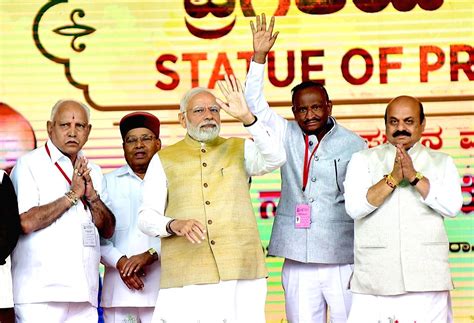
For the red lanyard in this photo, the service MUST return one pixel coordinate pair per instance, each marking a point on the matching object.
(307, 161)
(63, 172)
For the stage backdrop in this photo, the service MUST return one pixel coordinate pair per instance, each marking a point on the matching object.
(124, 55)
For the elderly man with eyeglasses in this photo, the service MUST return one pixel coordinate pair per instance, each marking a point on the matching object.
(312, 230)
(131, 258)
(213, 265)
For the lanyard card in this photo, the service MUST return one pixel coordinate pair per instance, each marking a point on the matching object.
(88, 235)
(302, 216)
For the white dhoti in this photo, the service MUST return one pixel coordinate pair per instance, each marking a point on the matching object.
(56, 312)
(128, 314)
(420, 307)
(234, 301)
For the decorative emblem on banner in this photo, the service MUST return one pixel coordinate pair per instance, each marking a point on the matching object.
(76, 30)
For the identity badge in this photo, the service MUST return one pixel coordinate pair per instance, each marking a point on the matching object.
(88, 235)
(302, 216)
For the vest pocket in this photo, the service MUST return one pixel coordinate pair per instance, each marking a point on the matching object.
(336, 173)
(371, 244)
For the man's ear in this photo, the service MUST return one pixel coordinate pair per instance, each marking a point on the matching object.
(49, 127)
(423, 124)
(158, 144)
(89, 128)
(182, 119)
(330, 107)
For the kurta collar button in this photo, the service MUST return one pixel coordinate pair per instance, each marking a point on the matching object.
(204, 164)
(203, 150)
(207, 202)
(311, 200)
(205, 185)
(213, 242)
(316, 158)
(313, 179)
(209, 221)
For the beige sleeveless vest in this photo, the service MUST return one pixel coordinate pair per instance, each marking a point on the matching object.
(208, 182)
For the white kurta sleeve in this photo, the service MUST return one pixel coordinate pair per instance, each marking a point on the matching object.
(109, 254)
(258, 104)
(356, 185)
(151, 218)
(445, 194)
(27, 190)
(265, 153)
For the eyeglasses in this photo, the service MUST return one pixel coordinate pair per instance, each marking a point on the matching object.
(314, 108)
(146, 139)
(200, 111)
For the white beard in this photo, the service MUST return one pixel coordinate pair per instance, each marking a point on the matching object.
(203, 134)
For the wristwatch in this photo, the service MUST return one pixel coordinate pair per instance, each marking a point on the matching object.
(152, 252)
(418, 176)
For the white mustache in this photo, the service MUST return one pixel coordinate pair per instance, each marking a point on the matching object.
(206, 123)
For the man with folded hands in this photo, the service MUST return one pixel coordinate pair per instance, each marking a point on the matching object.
(55, 265)
(399, 194)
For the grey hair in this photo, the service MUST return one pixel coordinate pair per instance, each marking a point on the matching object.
(58, 104)
(189, 95)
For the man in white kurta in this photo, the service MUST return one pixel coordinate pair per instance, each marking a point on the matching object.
(132, 266)
(55, 265)
(399, 194)
(213, 269)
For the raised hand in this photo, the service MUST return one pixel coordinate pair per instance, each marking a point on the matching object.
(263, 38)
(236, 105)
